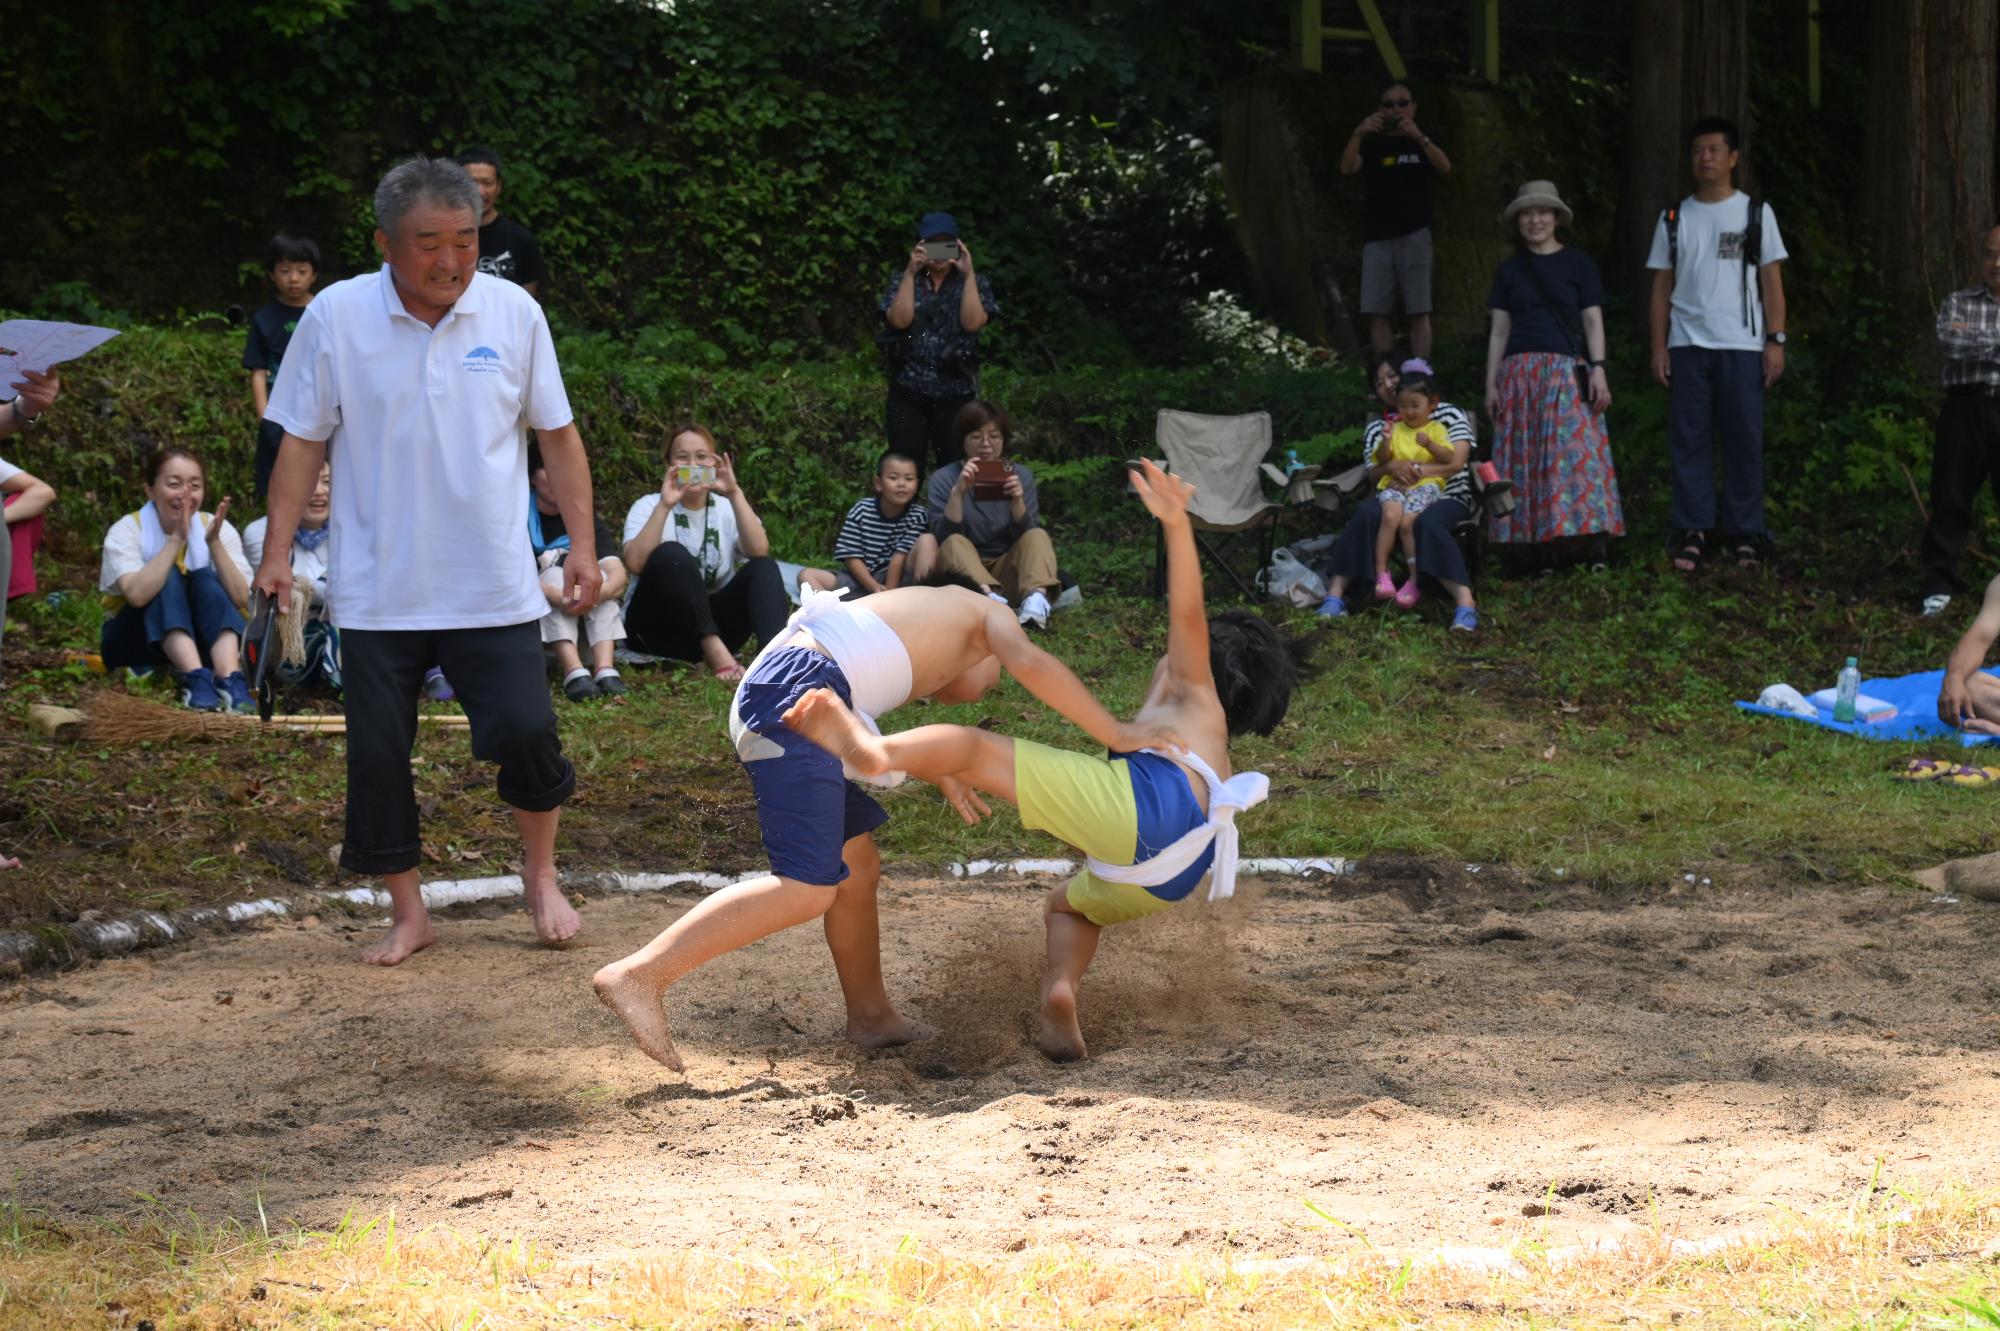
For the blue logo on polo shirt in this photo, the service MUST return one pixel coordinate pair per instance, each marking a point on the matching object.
(482, 360)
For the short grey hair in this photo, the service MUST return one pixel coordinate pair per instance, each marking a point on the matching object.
(438, 181)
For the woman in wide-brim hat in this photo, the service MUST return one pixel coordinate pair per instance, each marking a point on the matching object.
(1546, 389)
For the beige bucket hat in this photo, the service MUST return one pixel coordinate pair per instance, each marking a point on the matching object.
(1539, 194)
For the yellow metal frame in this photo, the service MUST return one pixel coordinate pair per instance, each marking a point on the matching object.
(1314, 34)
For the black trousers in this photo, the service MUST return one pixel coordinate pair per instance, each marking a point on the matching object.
(1967, 456)
(1438, 554)
(921, 426)
(672, 609)
(502, 682)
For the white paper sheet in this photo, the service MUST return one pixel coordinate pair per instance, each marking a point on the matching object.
(36, 344)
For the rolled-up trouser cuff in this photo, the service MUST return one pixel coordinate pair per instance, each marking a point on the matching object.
(531, 801)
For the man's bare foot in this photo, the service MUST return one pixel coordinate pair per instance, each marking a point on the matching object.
(1060, 1037)
(404, 940)
(828, 722)
(888, 1034)
(638, 1006)
(9, 862)
(556, 921)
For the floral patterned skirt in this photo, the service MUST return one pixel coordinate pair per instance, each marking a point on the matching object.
(1552, 446)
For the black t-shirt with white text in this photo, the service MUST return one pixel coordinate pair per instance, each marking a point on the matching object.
(508, 249)
(1398, 175)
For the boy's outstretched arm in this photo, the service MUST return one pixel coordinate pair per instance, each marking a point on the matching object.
(1166, 498)
(1057, 685)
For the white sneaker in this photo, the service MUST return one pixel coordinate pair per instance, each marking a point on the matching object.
(996, 596)
(1035, 611)
(1934, 605)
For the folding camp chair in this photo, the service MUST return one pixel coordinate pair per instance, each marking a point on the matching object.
(1221, 456)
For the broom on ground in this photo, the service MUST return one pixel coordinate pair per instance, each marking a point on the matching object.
(116, 719)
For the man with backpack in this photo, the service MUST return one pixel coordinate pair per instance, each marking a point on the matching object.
(1718, 329)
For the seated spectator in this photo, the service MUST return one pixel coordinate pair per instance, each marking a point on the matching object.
(603, 622)
(27, 499)
(998, 542)
(876, 539)
(1438, 555)
(292, 264)
(309, 568)
(176, 580)
(703, 580)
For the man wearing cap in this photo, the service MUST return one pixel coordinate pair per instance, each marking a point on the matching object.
(933, 311)
(419, 383)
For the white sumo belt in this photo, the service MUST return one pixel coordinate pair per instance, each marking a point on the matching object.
(1225, 798)
(815, 605)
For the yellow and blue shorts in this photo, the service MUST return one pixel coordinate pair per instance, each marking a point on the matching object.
(1123, 809)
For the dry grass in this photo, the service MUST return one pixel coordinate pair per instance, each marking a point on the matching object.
(1884, 1261)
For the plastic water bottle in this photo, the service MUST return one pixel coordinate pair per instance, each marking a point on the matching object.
(1292, 463)
(1845, 690)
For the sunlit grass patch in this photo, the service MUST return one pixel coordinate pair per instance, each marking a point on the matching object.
(1885, 1259)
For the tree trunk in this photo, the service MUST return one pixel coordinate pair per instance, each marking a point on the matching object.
(1653, 130)
(1928, 156)
(1716, 73)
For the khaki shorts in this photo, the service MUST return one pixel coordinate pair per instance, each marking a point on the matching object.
(1402, 265)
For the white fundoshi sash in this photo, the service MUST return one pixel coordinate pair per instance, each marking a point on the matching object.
(1225, 799)
(872, 671)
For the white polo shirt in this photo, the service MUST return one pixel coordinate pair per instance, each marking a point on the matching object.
(426, 434)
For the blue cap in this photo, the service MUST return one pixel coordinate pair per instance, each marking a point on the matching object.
(937, 224)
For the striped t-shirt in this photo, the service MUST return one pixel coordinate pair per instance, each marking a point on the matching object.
(873, 539)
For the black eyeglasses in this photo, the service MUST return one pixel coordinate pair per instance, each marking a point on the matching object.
(1395, 105)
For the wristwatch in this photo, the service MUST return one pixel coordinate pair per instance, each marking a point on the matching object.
(1775, 339)
(25, 420)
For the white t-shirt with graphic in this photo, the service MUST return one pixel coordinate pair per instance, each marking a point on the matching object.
(1710, 291)
(709, 534)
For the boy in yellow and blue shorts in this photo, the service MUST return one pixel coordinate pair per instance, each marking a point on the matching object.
(1150, 832)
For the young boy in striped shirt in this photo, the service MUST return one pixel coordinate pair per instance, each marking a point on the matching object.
(875, 540)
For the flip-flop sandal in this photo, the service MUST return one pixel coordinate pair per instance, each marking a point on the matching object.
(1693, 550)
(1746, 556)
(1923, 769)
(731, 675)
(1972, 776)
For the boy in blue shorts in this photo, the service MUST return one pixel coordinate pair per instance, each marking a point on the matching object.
(1151, 824)
(948, 643)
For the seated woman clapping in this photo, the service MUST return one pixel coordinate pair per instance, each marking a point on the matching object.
(175, 580)
(705, 579)
(310, 558)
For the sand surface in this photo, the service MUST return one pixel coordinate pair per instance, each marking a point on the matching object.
(1428, 1055)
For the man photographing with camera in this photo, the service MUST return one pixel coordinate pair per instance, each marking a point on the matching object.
(933, 311)
(1396, 161)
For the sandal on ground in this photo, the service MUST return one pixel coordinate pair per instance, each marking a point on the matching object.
(731, 673)
(1746, 555)
(1971, 776)
(1693, 549)
(1408, 594)
(1385, 587)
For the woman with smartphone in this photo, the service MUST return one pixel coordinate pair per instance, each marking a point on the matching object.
(986, 521)
(932, 312)
(703, 580)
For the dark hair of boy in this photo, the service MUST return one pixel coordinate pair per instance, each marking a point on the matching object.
(1715, 125)
(944, 577)
(288, 248)
(1255, 668)
(893, 455)
(479, 154)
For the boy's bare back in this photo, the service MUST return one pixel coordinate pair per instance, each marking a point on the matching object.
(945, 630)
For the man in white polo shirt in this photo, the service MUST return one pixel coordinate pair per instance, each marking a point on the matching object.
(418, 383)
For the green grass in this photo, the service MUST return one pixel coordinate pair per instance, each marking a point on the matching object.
(1585, 732)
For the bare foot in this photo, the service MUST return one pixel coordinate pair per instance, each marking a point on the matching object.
(719, 660)
(404, 940)
(9, 862)
(896, 1030)
(638, 1006)
(556, 921)
(828, 722)
(1060, 1037)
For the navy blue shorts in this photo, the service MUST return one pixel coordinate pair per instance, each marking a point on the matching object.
(807, 809)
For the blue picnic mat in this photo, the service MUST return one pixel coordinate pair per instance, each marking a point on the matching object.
(1913, 696)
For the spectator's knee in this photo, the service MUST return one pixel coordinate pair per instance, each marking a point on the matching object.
(669, 557)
